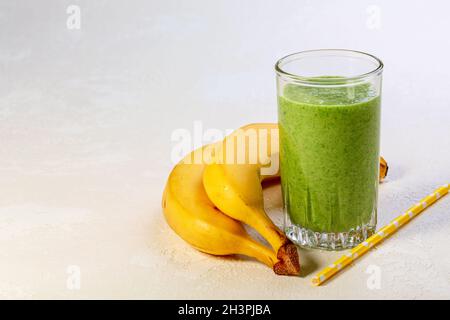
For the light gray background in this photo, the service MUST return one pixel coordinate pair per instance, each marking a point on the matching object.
(86, 118)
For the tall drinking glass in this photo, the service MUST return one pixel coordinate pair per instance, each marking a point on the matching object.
(329, 121)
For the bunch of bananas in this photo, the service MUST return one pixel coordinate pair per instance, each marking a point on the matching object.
(216, 188)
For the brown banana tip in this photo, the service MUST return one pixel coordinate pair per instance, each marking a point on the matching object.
(288, 264)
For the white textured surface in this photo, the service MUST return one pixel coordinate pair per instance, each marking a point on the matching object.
(85, 127)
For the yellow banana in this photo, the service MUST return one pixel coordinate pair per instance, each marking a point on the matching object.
(194, 217)
(383, 168)
(233, 184)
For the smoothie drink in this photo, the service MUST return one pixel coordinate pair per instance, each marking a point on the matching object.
(329, 158)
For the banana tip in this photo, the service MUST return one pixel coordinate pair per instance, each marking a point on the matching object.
(288, 263)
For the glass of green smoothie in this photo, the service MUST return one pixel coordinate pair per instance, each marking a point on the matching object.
(329, 122)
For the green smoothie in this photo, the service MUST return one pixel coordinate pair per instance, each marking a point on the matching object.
(329, 155)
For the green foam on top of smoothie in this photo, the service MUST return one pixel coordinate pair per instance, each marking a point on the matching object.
(332, 95)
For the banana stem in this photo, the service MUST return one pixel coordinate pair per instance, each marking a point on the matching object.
(287, 255)
(259, 252)
(268, 230)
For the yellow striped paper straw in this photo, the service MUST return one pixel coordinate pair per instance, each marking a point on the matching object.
(379, 236)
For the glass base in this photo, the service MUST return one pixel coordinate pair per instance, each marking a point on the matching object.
(328, 241)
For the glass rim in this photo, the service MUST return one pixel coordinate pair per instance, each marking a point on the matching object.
(328, 80)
